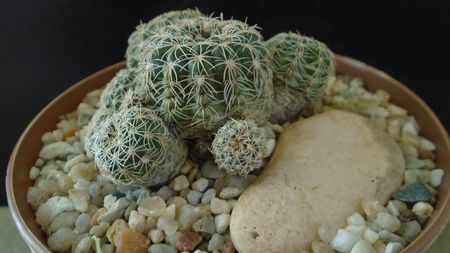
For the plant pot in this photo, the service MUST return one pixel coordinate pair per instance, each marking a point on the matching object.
(27, 148)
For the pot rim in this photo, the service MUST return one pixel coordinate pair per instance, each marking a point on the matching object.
(436, 226)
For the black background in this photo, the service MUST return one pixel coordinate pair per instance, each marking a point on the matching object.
(46, 46)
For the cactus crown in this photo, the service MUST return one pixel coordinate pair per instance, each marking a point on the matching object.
(134, 147)
(197, 72)
(239, 147)
(145, 30)
(301, 68)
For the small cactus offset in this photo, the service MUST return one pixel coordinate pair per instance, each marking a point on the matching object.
(93, 129)
(120, 91)
(145, 30)
(198, 72)
(240, 147)
(301, 68)
(134, 147)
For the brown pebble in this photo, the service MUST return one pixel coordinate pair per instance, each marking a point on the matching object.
(188, 241)
(426, 154)
(228, 247)
(219, 184)
(94, 219)
(184, 193)
(192, 174)
(131, 241)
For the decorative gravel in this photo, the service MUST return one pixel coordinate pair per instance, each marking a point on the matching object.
(82, 211)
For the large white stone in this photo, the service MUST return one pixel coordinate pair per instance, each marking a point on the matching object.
(321, 170)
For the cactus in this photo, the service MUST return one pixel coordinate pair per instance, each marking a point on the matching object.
(120, 91)
(145, 30)
(240, 147)
(198, 72)
(134, 147)
(301, 68)
(92, 130)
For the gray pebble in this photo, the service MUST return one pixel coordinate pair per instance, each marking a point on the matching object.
(208, 196)
(210, 170)
(162, 248)
(194, 197)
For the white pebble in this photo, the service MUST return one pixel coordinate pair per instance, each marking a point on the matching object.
(114, 211)
(408, 127)
(219, 206)
(356, 219)
(152, 206)
(65, 219)
(270, 146)
(156, 235)
(61, 241)
(83, 171)
(80, 199)
(372, 207)
(222, 222)
(136, 221)
(423, 210)
(208, 196)
(107, 248)
(410, 230)
(357, 229)
(344, 240)
(84, 245)
(54, 150)
(194, 197)
(393, 247)
(229, 193)
(99, 230)
(388, 222)
(216, 242)
(170, 211)
(181, 182)
(82, 223)
(387, 236)
(187, 216)
(427, 145)
(321, 247)
(371, 236)
(362, 247)
(74, 161)
(436, 177)
(200, 185)
(34, 173)
(94, 190)
(172, 239)
(50, 209)
(168, 225)
(326, 234)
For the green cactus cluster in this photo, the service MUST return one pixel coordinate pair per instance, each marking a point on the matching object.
(199, 72)
(135, 147)
(191, 78)
(301, 69)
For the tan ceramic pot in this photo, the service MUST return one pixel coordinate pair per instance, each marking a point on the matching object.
(27, 148)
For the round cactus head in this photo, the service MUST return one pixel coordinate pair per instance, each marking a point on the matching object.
(301, 68)
(239, 147)
(134, 147)
(198, 72)
(120, 91)
(92, 131)
(145, 30)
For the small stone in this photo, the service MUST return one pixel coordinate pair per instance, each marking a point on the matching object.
(181, 182)
(229, 193)
(80, 199)
(162, 248)
(130, 241)
(222, 222)
(115, 211)
(83, 171)
(219, 183)
(165, 192)
(51, 208)
(228, 247)
(371, 208)
(356, 219)
(168, 225)
(412, 193)
(34, 173)
(371, 236)
(396, 207)
(219, 206)
(137, 221)
(379, 246)
(413, 163)
(84, 245)
(326, 234)
(117, 225)
(344, 241)
(210, 170)
(410, 230)
(422, 210)
(156, 235)
(74, 161)
(362, 247)
(187, 216)
(192, 175)
(57, 149)
(170, 211)
(99, 230)
(172, 239)
(150, 223)
(188, 241)
(194, 197)
(208, 196)
(387, 236)
(357, 229)
(388, 222)
(204, 225)
(216, 242)
(427, 145)
(131, 207)
(186, 167)
(436, 177)
(63, 220)
(107, 248)
(96, 215)
(393, 247)
(152, 206)
(200, 184)
(82, 223)
(61, 241)
(321, 247)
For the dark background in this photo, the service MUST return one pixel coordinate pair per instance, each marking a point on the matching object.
(46, 46)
